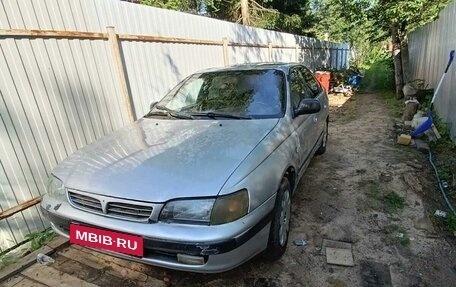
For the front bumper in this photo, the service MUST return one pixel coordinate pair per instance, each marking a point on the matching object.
(223, 247)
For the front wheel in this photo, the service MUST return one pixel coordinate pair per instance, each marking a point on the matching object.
(324, 141)
(280, 225)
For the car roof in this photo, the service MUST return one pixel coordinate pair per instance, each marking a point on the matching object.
(253, 66)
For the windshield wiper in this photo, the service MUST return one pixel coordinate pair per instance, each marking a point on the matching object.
(173, 113)
(221, 115)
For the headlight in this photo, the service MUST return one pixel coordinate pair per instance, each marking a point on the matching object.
(230, 207)
(188, 211)
(55, 188)
(209, 211)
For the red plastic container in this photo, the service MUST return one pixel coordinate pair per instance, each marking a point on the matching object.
(323, 78)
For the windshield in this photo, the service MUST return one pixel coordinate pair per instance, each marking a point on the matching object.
(244, 93)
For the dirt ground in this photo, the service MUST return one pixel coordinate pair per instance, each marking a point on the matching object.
(343, 196)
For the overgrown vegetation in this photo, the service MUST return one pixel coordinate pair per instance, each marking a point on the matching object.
(39, 239)
(450, 223)
(36, 240)
(293, 16)
(394, 202)
(379, 71)
(378, 199)
(6, 260)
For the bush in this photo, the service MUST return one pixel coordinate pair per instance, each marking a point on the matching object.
(379, 76)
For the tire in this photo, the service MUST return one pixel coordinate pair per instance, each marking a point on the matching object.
(280, 225)
(322, 148)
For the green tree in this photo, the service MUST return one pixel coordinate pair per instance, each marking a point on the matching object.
(292, 16)
(394, 19)
(345, 21)
(190, 6)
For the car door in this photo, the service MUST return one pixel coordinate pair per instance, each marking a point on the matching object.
(303, 125)
(317, 92)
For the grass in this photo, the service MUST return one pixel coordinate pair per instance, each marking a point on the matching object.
(450, 223)
(395, 234)
(39, 239)
(394, 106)
(6, 260)
(379, 75)
(394, 202)
(374, 193)
(378, 200)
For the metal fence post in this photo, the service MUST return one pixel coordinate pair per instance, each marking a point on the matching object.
(270, 51)
(225, 52)
(297, 50)
(121, 71)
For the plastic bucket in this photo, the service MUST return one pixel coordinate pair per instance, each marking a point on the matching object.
(323, 78)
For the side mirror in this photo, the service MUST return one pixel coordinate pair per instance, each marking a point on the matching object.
(307, 106)
(153, 104)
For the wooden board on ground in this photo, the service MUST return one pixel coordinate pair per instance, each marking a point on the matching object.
(23, 263)
(49, 276)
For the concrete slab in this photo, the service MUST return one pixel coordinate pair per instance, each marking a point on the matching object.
(334, 244)
(337, 256)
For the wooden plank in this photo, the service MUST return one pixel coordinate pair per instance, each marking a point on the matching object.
(162, 39)
(18, 208)
(58, 242)
(114, 266)
(22, 33)
(82, 266)
(12, 281)
(23, 263)
(81, 257)
(248, 45)
(49, 276)
(136, 266)
(25, 282)
(121, 72)
(140, 267)
(79, 270)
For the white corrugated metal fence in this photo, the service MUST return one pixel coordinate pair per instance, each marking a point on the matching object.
(429, 49)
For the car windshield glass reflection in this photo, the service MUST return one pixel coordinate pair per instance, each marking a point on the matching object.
(242, 94)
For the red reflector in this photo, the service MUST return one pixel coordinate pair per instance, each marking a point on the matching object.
(107, 240)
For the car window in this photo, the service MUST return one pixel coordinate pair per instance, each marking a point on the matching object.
(311, 82)
(252, 93)
(186, 95)
(299, 87)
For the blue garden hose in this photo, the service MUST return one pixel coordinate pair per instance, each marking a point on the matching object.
(442, 190)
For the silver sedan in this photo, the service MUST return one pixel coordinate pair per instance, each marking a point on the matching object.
(204, 181)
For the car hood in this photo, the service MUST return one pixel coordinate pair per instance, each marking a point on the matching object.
(158, 160)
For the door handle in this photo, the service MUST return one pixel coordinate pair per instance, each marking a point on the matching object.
(315, 119)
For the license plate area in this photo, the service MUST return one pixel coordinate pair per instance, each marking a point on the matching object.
(107, 240)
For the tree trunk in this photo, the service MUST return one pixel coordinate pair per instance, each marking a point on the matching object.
(405, 63)
(245, 12)
(398, 77)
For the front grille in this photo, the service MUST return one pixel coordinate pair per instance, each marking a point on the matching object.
(132, 211)
(84, 201)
